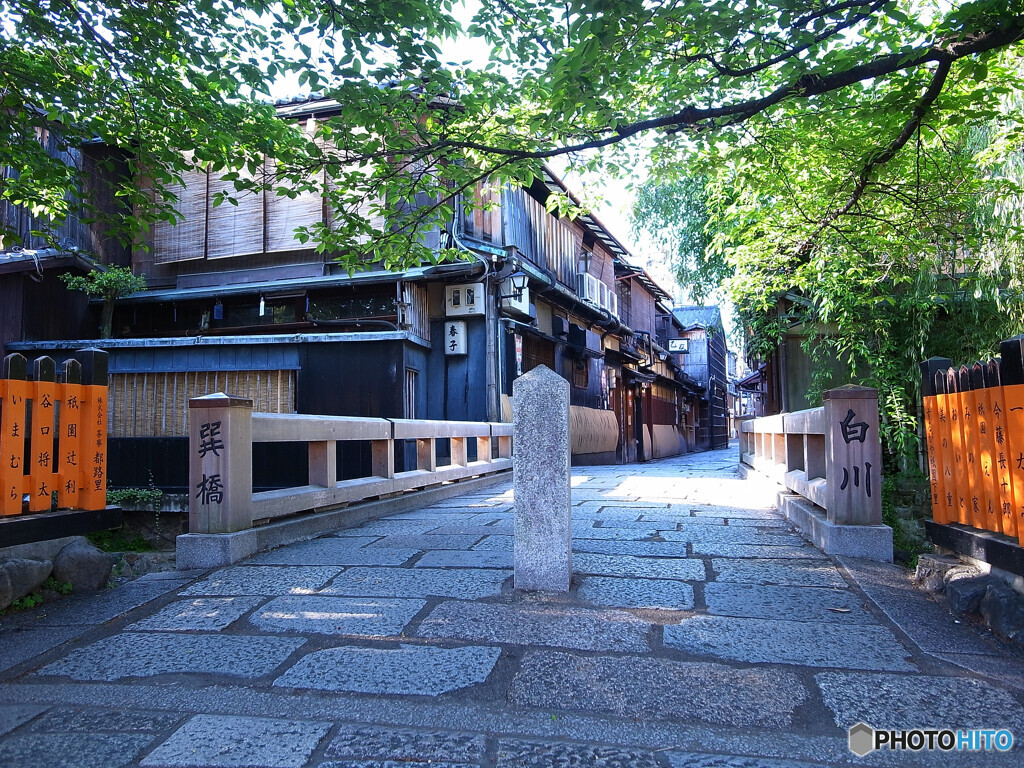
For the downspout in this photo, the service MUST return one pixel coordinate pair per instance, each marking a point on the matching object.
(491, 350)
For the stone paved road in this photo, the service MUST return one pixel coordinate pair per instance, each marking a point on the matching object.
(700, 631)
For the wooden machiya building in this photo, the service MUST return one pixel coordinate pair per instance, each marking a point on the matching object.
(236, 304)
(706, 363)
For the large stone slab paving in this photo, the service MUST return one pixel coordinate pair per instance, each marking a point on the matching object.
(931, 627)
(370, 742)
(1006, 670)
(696, 760)
(514, 753)
(92, 609)
(730, 513)
(639, 567)
(501, 520)
(72, 750)
(219, 741)
(201, 614)
(20, 646)
(136, 654)
(663, 594)
(68, 720)
(350, 763)
(634, 548)
(264, 580)
(726, 549)
(418, 582)
(630, 510)
(12, 716)
(499, 543)
(800, 573)
(587, 530)
(918, 701)
(756, 601)
(761, 641)
(363, 616)
(768, 524)
(648, 527)
(334, 550)
(476, 531)
(650, 688)
(369, 532)
(426, 541)
(477, 558)
(561, 626)
(701, 534)
(411, 670)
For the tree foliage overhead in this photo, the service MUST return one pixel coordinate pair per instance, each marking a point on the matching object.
(884, 218)
(177, 84)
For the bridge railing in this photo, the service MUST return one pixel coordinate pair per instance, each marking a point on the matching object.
(829, 455)
(223, 429)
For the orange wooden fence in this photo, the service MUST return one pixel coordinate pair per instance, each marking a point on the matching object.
(53, 434)
(974, 428)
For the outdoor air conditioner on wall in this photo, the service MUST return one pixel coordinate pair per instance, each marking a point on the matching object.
(465, 299)
(588, 288)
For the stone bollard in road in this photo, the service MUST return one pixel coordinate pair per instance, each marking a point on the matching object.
(540, 471)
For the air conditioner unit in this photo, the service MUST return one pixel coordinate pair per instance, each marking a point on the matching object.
(588, 288)
(466, 299)
(558, 327)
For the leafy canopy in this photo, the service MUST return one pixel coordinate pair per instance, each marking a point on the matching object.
(184, 83)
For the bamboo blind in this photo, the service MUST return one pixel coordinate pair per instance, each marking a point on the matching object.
(186, 239)
(233, 229)
(156, 404)
(284, 213)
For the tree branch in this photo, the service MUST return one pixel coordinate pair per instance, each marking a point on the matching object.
(943, 52)
(885, 155)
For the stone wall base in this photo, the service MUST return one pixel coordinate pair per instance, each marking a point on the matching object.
(872, 542)
(213, 550)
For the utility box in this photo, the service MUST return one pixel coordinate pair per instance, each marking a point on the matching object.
(465, 299)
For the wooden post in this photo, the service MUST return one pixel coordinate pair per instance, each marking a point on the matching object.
(950, 479)
(1012, 375)
(985, 436)
(93, 493)
(41, 459)
(69, 421)
(972, 449)
(853, 456)
(959, 466)
(220, 464)
(14, 397)
(934, 438)
(1001, 452)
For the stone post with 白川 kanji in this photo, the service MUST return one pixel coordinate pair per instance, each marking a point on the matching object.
(853, 456)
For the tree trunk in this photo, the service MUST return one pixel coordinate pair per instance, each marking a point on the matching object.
(107, 319)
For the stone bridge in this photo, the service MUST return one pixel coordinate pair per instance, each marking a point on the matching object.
(699, 630)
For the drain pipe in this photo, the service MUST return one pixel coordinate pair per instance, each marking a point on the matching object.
(491, 350)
